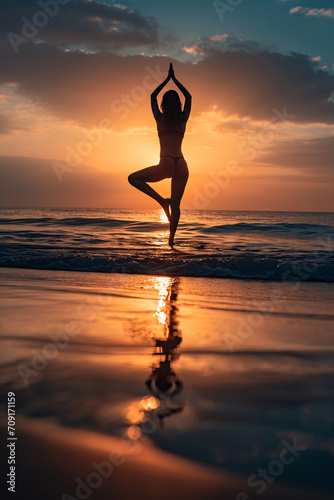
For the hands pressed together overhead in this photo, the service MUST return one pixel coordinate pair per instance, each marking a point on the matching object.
(171, 74)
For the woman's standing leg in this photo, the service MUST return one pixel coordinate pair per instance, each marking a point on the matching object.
(179, 182)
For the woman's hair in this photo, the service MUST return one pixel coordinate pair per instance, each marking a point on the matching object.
(171, 108)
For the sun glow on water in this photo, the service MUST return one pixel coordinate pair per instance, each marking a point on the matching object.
(135, 415)
(163, 217)
(162, 285)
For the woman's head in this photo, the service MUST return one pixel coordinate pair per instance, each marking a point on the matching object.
(171, 107)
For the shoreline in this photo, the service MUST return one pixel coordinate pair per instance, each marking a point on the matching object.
(246, 279)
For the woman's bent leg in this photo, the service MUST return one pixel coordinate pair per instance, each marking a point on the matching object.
(153, 174)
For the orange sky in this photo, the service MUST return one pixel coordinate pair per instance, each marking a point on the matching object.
(74, 123)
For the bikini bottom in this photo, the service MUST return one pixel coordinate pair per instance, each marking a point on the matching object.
(175, 158)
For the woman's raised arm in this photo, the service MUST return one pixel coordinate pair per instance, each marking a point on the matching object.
(154, 103)
(187, 95)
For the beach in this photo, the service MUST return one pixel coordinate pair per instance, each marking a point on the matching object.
(166, 250)
(198, 383)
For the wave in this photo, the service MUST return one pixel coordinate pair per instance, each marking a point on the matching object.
(68, 221)
(285, 228)
(255, 267)
(264, 246)
(296, 229)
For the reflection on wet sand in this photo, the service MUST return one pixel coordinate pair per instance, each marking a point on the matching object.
(163, 383)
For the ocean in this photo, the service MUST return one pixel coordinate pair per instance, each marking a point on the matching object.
(294, 246)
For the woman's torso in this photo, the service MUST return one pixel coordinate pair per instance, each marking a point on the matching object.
(170, 137)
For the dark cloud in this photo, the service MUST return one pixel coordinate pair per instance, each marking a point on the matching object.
(315, 157)
(228, 42)
(91, 24)
(82, 87)
(252, 83)
(239, 77)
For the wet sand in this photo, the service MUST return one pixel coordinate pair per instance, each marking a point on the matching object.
(211, 380)
(62, 463)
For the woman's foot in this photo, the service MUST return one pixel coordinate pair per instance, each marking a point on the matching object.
(165, 205)
(171, 242)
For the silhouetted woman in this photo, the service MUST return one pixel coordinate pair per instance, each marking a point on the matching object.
(171, 124)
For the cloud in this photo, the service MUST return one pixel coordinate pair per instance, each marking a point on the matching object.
(227, 42)
(86, 23)
(313, 12)
(252, 83)
(239, 77)
(314, 157)
(215, 122)
(194, 49)
(81, 87)
(220, 38)
(204, 44)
